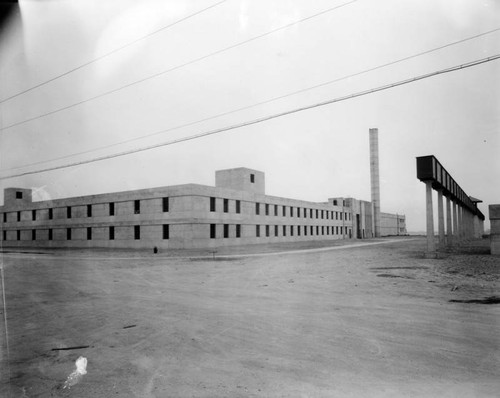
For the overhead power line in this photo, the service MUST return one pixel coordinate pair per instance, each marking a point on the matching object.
(266, 118)
(111, 52)
(263, 102)
(178, 66)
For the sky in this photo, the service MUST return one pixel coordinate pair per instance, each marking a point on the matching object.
(194, 68)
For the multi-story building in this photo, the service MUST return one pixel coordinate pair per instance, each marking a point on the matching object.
(234, 212)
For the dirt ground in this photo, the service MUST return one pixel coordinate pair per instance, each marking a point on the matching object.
(373, 319)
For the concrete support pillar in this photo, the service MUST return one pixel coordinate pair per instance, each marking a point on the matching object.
(456, 235)
(471, 225)
(431, 246)
(449, 232)
(467, 224)
(461, 222)
(440, 218)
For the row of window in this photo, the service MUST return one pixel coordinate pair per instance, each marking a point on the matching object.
(111, 233)
(286, 230)
(265, 230)
(111, 210)
(292, 211)
(298, 211)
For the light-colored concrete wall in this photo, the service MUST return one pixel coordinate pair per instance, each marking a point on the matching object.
(392, 224)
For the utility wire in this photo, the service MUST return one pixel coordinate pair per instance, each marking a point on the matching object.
(111, 52)
(263, 102)
(178, 66)
(266, 118)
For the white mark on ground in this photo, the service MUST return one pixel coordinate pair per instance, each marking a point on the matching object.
(77, 374)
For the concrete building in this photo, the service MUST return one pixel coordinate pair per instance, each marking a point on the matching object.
(392, 224)
(234, 212)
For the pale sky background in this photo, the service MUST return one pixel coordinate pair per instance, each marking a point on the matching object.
(312, 155)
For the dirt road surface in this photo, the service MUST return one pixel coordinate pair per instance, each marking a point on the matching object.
(343, 321)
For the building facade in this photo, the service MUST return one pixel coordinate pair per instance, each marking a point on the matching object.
(234, 212)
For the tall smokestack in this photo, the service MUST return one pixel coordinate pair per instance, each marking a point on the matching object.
(375, 181)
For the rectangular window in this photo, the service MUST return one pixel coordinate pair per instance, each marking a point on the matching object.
(267, 230)
(341, 216)
(165, 205)
(317, 213)
(4, 217)
(322, 214)
(267, 209)
(238, 207)
(298, 212)
(310, 213)
(137, 207)
(304, 210)
(291, 211)
(212, 231)
(68, 212)
(33, 215)
(298, 230)
(327, 229)
(312, 230)
(19, 195)
(327, 214)
(212, 204)
(4, 235)
(257, 208)
(284, 230)
(252, 178)
(33, 234)
(291, 230)
(137, 232)
(305, 230)
(238, 230)
(226, 230)
(337, 230)
(18, 216)
(275, 230)
(68, 233)
(111, 209)
(18, 235)
(275, 210)
(336, 215)
(89, 233)
(322, 230)
(89, 210)
(226, 205)
(284, 211)
(166, 231)
(50, 234)
(111, 233)
(317, 229)
(257, 231)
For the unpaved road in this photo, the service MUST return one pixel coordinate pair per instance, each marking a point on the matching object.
(364, 321)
